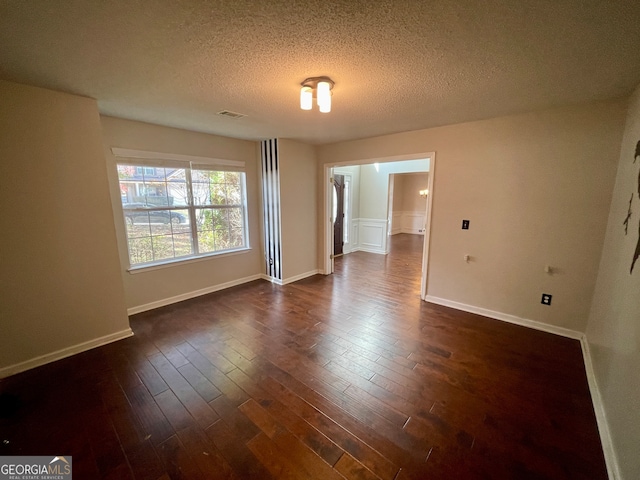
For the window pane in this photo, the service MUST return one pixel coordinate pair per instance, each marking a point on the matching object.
(236, 218)
(153, 189)
(234, 194)
(182, 244)
(162, 247)
(211, 235)
(206, 243)
(178, 194)
(221, 239)
(180, 221)
(218, 194)
(201, 193)
(236, 238)
(126, 173)
(232, 177)
(140, 250)
(220, 218)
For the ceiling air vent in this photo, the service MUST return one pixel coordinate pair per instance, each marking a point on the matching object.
(230, 114)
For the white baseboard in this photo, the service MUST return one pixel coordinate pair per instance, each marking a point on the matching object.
(64, 353)
(300, 277)
(613, 469)
(266, 277)
(196, 293)
(407, 230)
(370, 250)
(505, 317)
(295, 278)
(412, 232)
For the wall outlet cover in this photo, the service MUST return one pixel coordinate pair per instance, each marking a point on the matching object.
(465, 224)
(546, 299)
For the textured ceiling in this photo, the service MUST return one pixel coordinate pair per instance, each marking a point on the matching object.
(398, 65)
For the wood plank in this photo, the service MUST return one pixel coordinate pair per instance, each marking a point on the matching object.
(174, 410)
(177, 460)
(351, 468)
(194, 403)
(205, 454)
(274, 459)
(237, 421)
(235, 451)
(199, 382)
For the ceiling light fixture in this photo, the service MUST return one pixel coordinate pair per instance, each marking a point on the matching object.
(320, 88)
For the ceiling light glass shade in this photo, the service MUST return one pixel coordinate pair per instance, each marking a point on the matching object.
(324, 97)
(306, 98)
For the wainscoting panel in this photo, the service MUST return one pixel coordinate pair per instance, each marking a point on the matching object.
(408, 222)
(413, 222)
(355, 235)
(372, 235)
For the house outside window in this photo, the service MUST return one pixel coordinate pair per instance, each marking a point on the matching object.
(145, 170)
(181, 211)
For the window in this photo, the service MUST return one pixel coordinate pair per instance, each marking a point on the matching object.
(181, 211)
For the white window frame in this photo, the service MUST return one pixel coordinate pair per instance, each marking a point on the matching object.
(140, 158)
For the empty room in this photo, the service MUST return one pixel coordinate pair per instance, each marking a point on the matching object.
(343, 239)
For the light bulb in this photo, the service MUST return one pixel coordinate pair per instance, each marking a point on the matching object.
(324, 97)
(306, 98)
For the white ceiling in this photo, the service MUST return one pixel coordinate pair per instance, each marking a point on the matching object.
(398, 65)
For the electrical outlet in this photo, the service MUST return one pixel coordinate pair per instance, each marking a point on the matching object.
(465, 224)
(546, 299)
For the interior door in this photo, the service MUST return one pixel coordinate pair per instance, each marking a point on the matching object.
(338, 218)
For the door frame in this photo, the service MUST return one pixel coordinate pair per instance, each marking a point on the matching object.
(327, 198)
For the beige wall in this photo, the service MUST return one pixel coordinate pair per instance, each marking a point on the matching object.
(60, 283)
(153, 287)
(536, 188)
(298, 207)
(398, 192)
(613, 331)
(412, 183)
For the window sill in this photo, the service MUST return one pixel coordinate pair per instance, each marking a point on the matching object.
(183, 261)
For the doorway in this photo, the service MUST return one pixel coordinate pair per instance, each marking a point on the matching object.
(368, 232)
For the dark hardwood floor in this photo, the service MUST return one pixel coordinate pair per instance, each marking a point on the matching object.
(349, 375)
